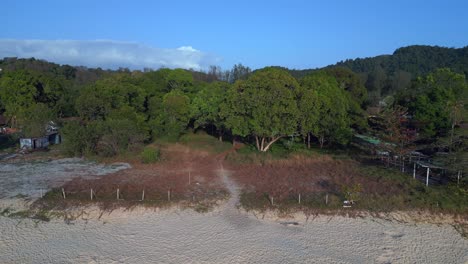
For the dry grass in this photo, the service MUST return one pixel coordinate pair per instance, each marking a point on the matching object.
(187, 174)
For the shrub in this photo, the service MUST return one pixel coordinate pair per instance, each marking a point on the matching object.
(150, 155)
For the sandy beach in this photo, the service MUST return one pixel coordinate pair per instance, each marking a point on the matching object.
(225, 235)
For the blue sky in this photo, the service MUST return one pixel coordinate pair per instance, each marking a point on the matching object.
(196, 34)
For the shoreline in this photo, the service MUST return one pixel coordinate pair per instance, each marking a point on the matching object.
(94, 212)
(225, 235)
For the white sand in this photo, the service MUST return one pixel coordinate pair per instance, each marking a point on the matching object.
(225, 236)
(189, 237)
(29, 178)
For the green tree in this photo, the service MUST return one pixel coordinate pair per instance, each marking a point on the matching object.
(431, 99)
(206, 107)
(264, 106)
(170, 116)
(17, 92)
(239, 72)
(329, 109)
(79, 138)
(34, 119)
(357, 93)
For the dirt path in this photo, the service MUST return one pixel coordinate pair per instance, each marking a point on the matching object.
(232, 186)
(230, 210)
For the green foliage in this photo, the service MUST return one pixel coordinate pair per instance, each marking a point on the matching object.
(17, 91)
(173, 116)
(150, 155)
(263, 106)
(206, 106)
(388, 74)
(205, 142)
(79, 139)
(98, 99)
(34, 119)
(117, 136)
(239, 72)
(430, 98)
(324, 109)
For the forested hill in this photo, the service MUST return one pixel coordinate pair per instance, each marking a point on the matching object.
(386, 74)
(417, 60)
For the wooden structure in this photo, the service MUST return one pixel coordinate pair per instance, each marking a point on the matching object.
(428, 167)
(34, 143)
(43, 142)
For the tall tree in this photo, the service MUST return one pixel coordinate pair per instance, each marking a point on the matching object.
(357, 93)
(206, 107)
(172, 115)
(431, 97)
(264, 106)
(34, 119)
(329, 105)
(239, 72)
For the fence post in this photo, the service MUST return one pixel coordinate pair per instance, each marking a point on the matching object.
(91, 194)
(63, 193)
(326, 199)
(299, 198)
(427, 177)
(143, 195)
(414, 171)
(169, 195)
(117, 193)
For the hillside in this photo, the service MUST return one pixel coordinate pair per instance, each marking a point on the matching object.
(386, 74)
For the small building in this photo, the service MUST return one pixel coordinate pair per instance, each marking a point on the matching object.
(34, 143)
(54, 138)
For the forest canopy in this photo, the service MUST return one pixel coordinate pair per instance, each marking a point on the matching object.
(106, 112)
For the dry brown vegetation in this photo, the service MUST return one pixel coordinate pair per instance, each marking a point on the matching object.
(323, 182)
(184, 174)
(300, 174)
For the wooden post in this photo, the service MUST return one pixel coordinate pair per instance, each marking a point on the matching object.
(143, 195)
(169, 195)
(63, 193)
(458, 178)
(42, 194)
(414, 171)
(326, 199)
(427, 177)
(118, 194)
(299, 198)
(91, 194)
(272, 201)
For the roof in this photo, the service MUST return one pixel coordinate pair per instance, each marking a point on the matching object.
(428, 165)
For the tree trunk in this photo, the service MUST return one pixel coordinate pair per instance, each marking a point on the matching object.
(322, 141)
(451, 137)
(263, 145)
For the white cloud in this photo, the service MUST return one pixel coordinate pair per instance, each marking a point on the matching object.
(107, 54)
